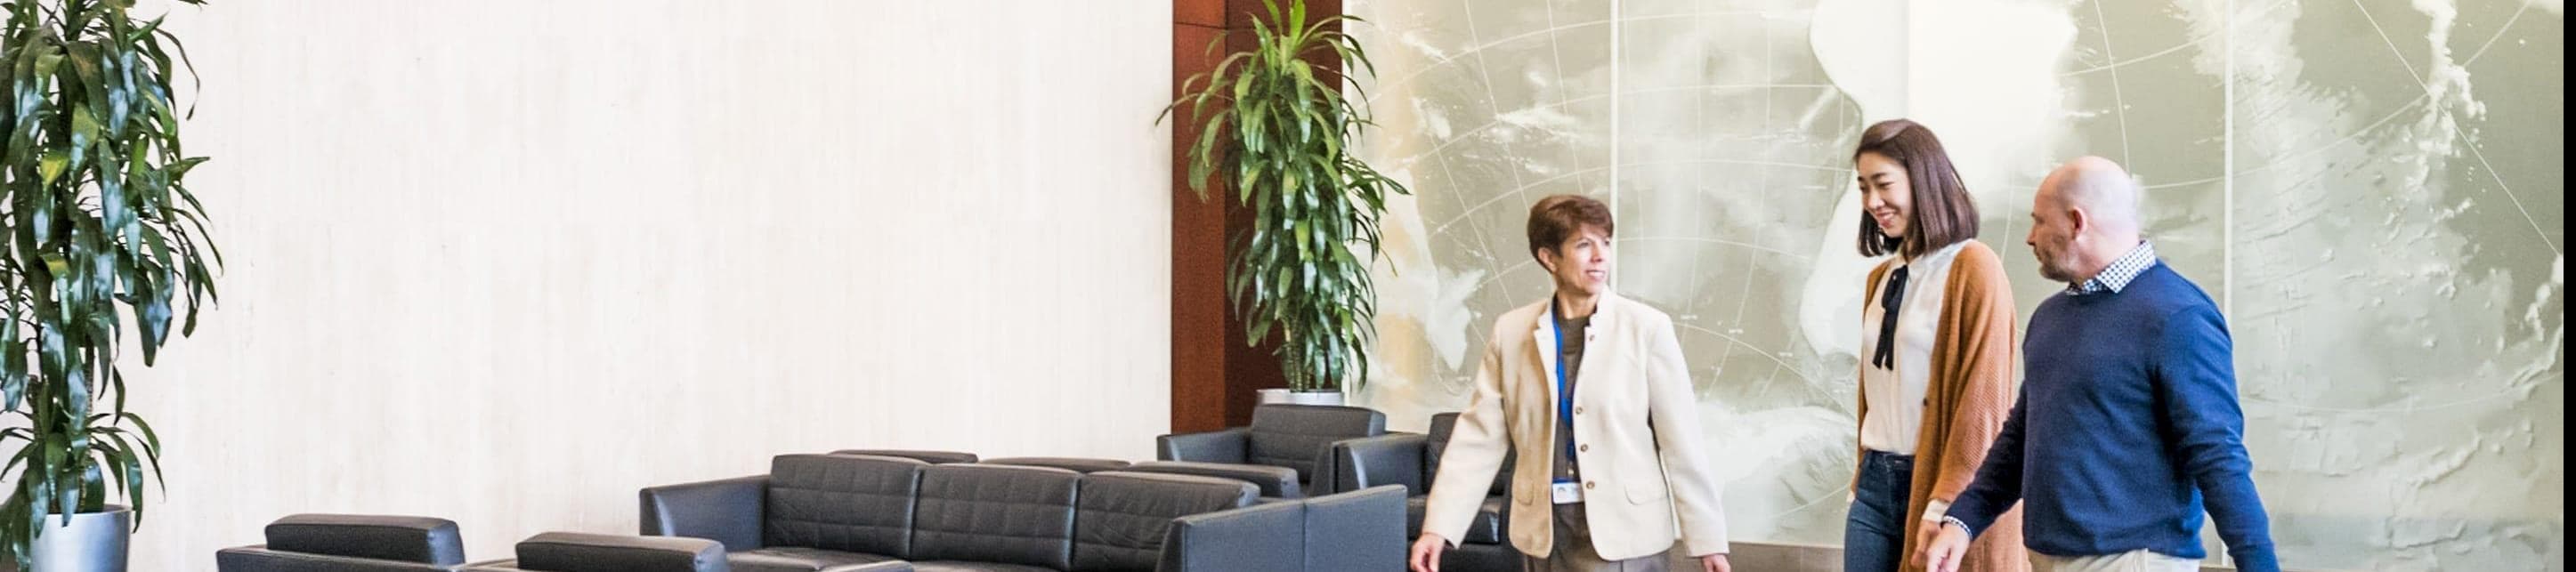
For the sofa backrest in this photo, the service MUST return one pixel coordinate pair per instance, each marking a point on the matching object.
(995, 513)
(1444, 424)
(1120, 520)
(926, 456)
(850, 503)
(1296, 436)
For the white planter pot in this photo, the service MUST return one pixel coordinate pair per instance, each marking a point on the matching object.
(93, 542)
(1301, 397)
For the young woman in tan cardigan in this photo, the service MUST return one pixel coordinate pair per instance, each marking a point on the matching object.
(1937, 352)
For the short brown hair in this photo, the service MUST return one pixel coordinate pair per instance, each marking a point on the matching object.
(1559, 216)
(1943, 214)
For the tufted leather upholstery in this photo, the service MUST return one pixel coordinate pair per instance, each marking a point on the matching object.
(848, 503)
(996, 513)
(1296, 437)
(1121, 518)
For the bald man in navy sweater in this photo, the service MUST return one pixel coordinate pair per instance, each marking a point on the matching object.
(2127, 425)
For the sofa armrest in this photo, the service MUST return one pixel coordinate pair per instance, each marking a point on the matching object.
(1357, 530)
(580, 552)
(727, 511)
(262, 559)
(1257, 538)
(1390, 459)
(419, 539)
(1274, 482)
(1226, 446)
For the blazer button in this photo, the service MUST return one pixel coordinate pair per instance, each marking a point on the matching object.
(1587, 485)
(1578, 409)
(1583, 448)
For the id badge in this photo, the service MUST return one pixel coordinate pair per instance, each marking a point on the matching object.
(1567, 493)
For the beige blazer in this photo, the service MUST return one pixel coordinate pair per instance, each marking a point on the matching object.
(1643, 456)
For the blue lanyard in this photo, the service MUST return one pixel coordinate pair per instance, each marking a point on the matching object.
(1564, 389)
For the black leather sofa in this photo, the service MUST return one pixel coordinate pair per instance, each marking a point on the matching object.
(816, 513)
(1413, 460)
(1294, 437)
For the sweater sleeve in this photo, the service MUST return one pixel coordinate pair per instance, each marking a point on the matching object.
(1998, 483)
(1980, 343)
(2195, 377)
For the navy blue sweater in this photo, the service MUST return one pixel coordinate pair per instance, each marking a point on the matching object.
(2127, 422)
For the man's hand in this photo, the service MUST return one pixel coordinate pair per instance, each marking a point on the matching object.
(1713, 563)
(1426, 552)
(1943, 554)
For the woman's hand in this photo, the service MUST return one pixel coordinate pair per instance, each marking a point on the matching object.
(1426, 552)
(1713, 563)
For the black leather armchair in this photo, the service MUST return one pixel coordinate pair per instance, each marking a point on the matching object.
(351, 543)
(1282, 435)
(1413, 460)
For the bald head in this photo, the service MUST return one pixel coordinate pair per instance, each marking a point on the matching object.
(2104, 192)
(2086, 215)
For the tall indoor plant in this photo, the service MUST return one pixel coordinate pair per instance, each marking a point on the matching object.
(96, 222)
(1277, 132)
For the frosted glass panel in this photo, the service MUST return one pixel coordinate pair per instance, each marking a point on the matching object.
(2371, 189)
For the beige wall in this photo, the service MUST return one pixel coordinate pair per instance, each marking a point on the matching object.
(506, 262)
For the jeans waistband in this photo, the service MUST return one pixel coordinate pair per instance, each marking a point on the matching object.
(1886, 459)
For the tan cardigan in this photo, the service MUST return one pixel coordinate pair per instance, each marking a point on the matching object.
(1970, 392)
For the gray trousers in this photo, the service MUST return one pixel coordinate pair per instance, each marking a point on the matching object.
(1574, 550)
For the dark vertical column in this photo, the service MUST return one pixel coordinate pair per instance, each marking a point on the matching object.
(1216, 377)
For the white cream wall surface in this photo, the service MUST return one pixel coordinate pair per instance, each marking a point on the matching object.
(506, 262)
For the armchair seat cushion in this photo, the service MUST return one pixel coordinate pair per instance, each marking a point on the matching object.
(1486, 528)
(800, 559)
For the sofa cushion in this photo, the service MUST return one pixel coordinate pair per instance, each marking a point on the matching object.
(1442, 426)
(841, 502)
(800, 559)
(401, 538)
(1119, 522)
(1296, 436)
(995, 513)
(1486, 528)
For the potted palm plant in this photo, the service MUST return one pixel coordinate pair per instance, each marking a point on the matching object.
(102, 240)
(1277, 133)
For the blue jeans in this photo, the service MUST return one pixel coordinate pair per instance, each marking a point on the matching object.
(1874, 534)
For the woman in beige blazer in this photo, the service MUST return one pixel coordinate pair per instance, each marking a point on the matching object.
(1590, 391)
(1937, 355)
